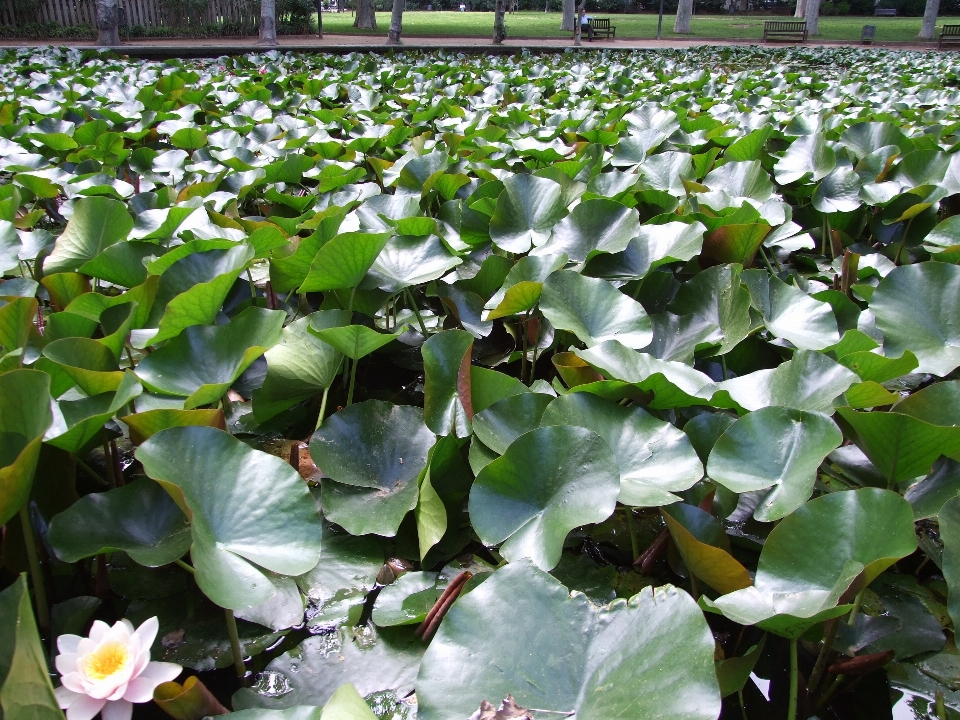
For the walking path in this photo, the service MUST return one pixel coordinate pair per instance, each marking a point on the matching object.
(211, 47)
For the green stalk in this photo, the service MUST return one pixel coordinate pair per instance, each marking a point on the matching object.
(523, 357)
(109, 464)
(253, 287)
(852, 620)
(416, 311)
(766, 260)
(634, 540)
(743, 710)
(353, 291)
(39, 591)
(830, 634)
(91, 472)
(941, 706)
(323, 406)
(353, 380)
(792, 704)
(723, 365)
(182, 564)
(235, 646)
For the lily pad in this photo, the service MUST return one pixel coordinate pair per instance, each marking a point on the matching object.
(647, 657)
(549, 481)
(141, 519)
(223, 486)
(774, 447)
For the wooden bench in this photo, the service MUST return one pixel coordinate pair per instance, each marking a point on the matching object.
(781, 30)
(601, 26)
(885, 12)
(949, 35)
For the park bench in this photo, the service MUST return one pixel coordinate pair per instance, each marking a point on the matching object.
(949, 35)
(792, 31)
(601, 26)
(885, 12)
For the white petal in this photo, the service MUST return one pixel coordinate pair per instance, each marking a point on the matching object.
(98, 630)
(143, 658)
(86, 646)
(147, 632)
(118, 693)
(68, 643)
(118, 710)
(65, 697)
(128, 625)
(73, 681)
(162, 671)
(66, 663)
(84, 708)
(140, 690)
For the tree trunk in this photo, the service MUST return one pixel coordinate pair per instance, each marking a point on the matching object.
(268, 23)
(801, 11)
(812, 16)
(366, 15)
(929, 28)
(108, 19)
(396, 22)
(499, 28)
(684, 11)
(567, 19)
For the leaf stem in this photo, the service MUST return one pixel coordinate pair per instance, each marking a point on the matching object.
(766, 260)
(180, 563)
(743, 710)
(413, 306)
(91, 472)
(323, 407)
(830, 634)
(723, 366)
(353, 380)
(523, 357)
(852, 620)
(108, 461)
(941, 706)
(235, 646)
(253, 287)
(792, 702)
(634, 540)
(39, 591)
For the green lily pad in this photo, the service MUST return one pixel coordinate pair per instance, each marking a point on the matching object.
(900, 446)
(718, 297)
(809, 381)
(655, 458)
(89, 363)
(799, 577)
(204, 361)
(505, 420)
(651, 656)
(549, 481)
(916, 307)
(355, 341)
(592, 227)
(141, 519)
(447, 384)
(223, 485)
(407, 260)
(78, 421)
(344, 261)
(97, 223)
(790, 313)
(373, 660)
(300, 365)
(594, 310)
(25, 687)
(777, 448)
(949, 519)
(692, 531)
(526, 212)
(24, 418)
(373, 452)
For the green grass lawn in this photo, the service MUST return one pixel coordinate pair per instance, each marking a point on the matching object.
(538, 24)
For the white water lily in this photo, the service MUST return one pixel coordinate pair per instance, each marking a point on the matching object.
(109, 670)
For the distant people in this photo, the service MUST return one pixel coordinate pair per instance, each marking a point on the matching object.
(463, 8)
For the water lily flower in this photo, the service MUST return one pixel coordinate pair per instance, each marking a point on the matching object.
(109, 670)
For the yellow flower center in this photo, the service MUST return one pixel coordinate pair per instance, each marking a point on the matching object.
(105, 660)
